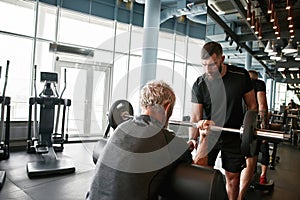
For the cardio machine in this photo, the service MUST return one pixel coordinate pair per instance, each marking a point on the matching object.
(45, 140)
(4, 138)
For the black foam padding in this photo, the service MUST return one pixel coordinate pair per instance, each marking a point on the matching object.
(188, 182)
(192, 182)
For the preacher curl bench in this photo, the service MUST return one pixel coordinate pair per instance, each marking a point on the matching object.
(187, 181)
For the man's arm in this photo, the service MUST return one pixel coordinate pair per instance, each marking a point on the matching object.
(250, 100)
(263, 108)
(196, 116)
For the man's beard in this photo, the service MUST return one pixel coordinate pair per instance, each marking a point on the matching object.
(216, 74)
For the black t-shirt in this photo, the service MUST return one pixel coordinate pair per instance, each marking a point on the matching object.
(258, 86)
(222, 98)
(137, 161)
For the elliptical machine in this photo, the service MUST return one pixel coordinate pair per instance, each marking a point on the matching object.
(44, 141)
(4, 140)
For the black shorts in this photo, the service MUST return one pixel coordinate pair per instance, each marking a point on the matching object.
(230, 146)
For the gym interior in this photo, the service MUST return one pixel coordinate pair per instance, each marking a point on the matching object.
(65, 63)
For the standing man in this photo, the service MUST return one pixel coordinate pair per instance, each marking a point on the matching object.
(217, 95)
(247, 174)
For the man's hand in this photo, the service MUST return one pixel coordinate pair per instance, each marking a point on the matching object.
(193, 144)
(203, 126)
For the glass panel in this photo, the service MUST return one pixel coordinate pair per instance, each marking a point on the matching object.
(18, 51)
(46, 22)
(179, 89)
(122, 38)
(134, 82)
(44, 59)
(194, 49)
(136, 41)
(120, 75)
(94, 32)
(280, 96)
(87, 87)
(165, 46)
(193, 72)
(99, 108)
(180, 48)
(22, 22)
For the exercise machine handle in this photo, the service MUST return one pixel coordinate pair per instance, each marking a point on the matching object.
(6, 76)
(65, 83)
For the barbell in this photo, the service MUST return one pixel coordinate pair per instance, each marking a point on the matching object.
(122, 110)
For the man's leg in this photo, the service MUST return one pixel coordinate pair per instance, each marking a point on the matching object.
(246, 176)
(232, 184)
(264, 162)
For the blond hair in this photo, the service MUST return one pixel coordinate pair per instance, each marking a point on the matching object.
(157, 93)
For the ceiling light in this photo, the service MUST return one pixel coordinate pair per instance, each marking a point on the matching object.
(256, 27)
(293, 69)
(289, 14)
(292, 75)
(274, 50)
(275, 24)
(259, 32)
(291, 30)
(291, 24)
(249, 12)
(227, 37)
(275, 57)
(253, 20)
(278, 37)
(282, 58)
(273, 16)
(268, 47)
(289, 48)
(283, 75)
(292, 35)
(270, 5)
(277, 31)
(281, 69)
(288, 5)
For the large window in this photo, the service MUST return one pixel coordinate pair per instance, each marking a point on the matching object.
(17, 17)
(93, 82)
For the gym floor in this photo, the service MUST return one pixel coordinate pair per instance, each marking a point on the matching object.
(74, 186)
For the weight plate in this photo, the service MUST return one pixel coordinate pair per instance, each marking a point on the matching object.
(249, 140)
(117, 112)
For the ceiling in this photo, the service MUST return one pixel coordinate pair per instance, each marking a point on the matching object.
(226, 23)
(231, 15)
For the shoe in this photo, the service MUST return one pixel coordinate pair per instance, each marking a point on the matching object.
(263, 180)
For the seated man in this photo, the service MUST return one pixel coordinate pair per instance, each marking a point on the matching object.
(141, 152)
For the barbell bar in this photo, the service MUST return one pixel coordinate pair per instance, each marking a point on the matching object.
(259, 132)
(122, 110)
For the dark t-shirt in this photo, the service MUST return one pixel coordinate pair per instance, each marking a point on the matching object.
(222, 98)
(137, 160)
(259, 86)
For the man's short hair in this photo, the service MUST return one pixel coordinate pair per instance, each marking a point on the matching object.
(253, 74)
(211, 48)
(157, 93)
